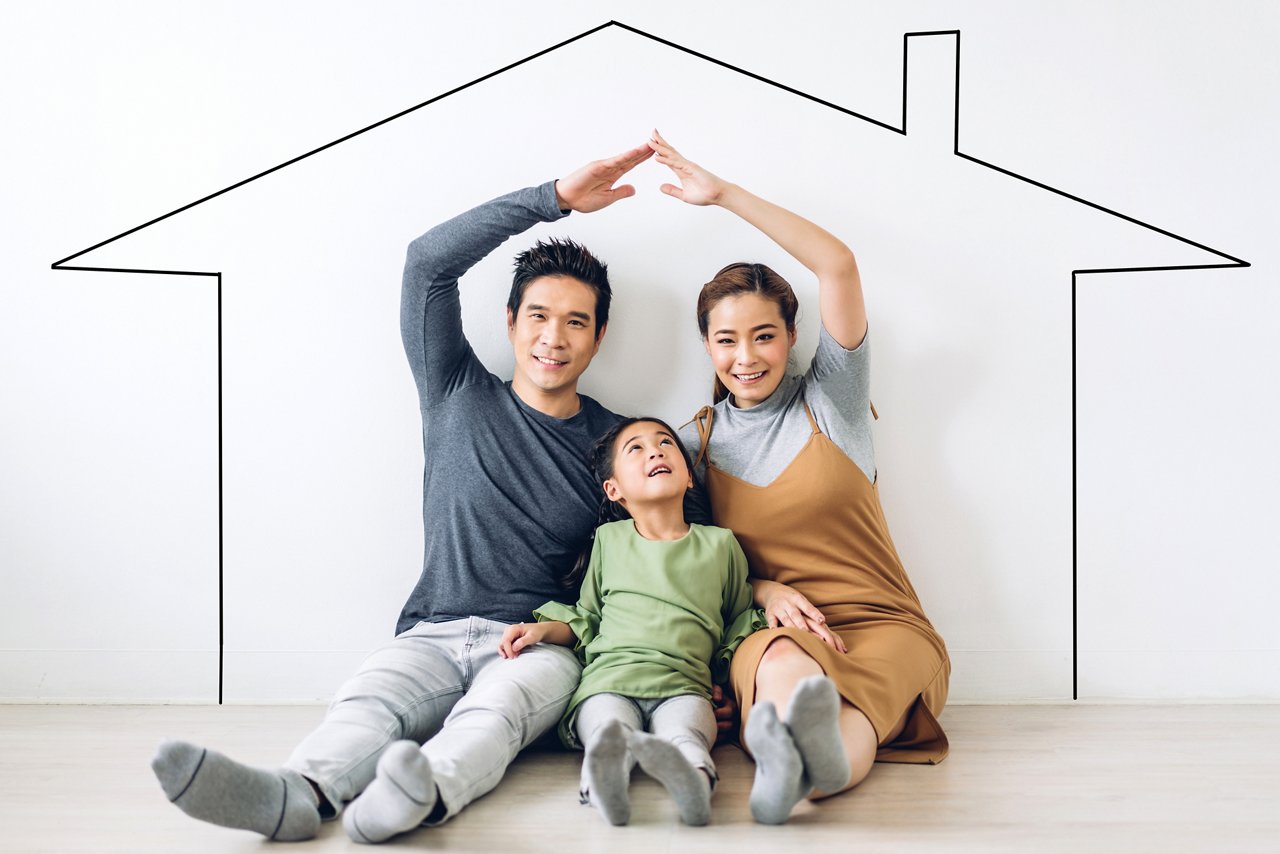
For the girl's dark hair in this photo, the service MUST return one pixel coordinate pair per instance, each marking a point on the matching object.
(736, 280)
(600, 458)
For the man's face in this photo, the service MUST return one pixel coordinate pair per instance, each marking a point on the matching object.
(553, 335)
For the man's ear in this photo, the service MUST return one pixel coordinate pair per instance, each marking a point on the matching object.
(611, 491)
(511, 323)
(599, 338)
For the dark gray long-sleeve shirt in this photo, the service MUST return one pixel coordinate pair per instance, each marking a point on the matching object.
(508, 500)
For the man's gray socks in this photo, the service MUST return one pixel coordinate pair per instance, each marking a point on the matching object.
(689, 786)
(400, 797)
(780, 781)
(813, 716)
(608, 773)
(207, 785)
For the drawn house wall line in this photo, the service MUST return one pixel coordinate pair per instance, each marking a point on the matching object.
(1227, 260)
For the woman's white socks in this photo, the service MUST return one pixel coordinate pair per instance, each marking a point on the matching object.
(813, 716)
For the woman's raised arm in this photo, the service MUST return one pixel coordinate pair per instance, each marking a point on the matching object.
(844, 314)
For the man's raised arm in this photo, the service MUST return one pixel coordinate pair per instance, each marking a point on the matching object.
(430, 311)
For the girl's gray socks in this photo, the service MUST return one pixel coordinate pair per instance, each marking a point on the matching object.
(813, 716)
(207, 785)
(608, 773)
(400, 797)
(689, 786)
(780, 781)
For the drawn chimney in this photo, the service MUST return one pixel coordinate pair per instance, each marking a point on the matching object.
(931, 87)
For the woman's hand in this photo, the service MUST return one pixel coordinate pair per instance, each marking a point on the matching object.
(840, 302)
(697, 185)
(591, 187)
(784, 606)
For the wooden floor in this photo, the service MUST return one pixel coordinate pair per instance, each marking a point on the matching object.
(1078, 778)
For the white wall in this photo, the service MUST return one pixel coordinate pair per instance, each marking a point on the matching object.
(108, 426)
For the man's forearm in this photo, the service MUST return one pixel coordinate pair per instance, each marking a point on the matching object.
(430, 309)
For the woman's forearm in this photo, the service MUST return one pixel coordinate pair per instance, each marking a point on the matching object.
(840, 299)
(813, 246)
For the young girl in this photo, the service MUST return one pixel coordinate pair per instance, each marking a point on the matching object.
(663, 605)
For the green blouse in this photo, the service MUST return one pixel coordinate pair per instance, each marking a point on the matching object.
(657, 618)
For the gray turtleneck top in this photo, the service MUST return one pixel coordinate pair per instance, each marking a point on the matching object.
(757, 444)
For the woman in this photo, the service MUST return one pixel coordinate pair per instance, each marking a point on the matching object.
(851, 670)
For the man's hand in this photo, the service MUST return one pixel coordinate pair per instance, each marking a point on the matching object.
(591, 187)
(726, 714)
(784, 606)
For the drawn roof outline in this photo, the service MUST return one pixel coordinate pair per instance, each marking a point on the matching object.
(1229, 261)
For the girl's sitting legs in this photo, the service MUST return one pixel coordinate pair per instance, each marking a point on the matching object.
(603, 723)
(676, 752)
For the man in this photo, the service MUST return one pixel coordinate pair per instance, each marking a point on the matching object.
(508, 501)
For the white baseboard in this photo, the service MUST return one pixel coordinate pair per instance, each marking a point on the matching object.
(1214, 675)
(313, 676)
(108, 676)
(1010, 675)
(283, 676)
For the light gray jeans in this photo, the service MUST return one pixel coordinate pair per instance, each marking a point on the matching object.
(687, 721)
(445, 686)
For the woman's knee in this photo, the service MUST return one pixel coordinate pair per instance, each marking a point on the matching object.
(785, 654)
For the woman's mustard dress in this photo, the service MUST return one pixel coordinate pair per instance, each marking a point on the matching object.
(819, 528)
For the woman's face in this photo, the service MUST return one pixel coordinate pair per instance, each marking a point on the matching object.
(749, 344)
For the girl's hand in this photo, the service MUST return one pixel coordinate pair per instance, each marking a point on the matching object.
(697, 185)
(519, 636)
(784, 606)
(726, 712)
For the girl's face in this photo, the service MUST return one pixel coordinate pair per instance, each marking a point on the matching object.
(647, 466)
(748, 343)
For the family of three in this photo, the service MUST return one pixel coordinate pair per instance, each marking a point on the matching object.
(568, 576)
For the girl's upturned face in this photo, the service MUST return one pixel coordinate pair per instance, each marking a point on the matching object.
(647, 466)
(748, 343)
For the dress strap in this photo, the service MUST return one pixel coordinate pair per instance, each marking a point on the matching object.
(702, 421)
(813, 425)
